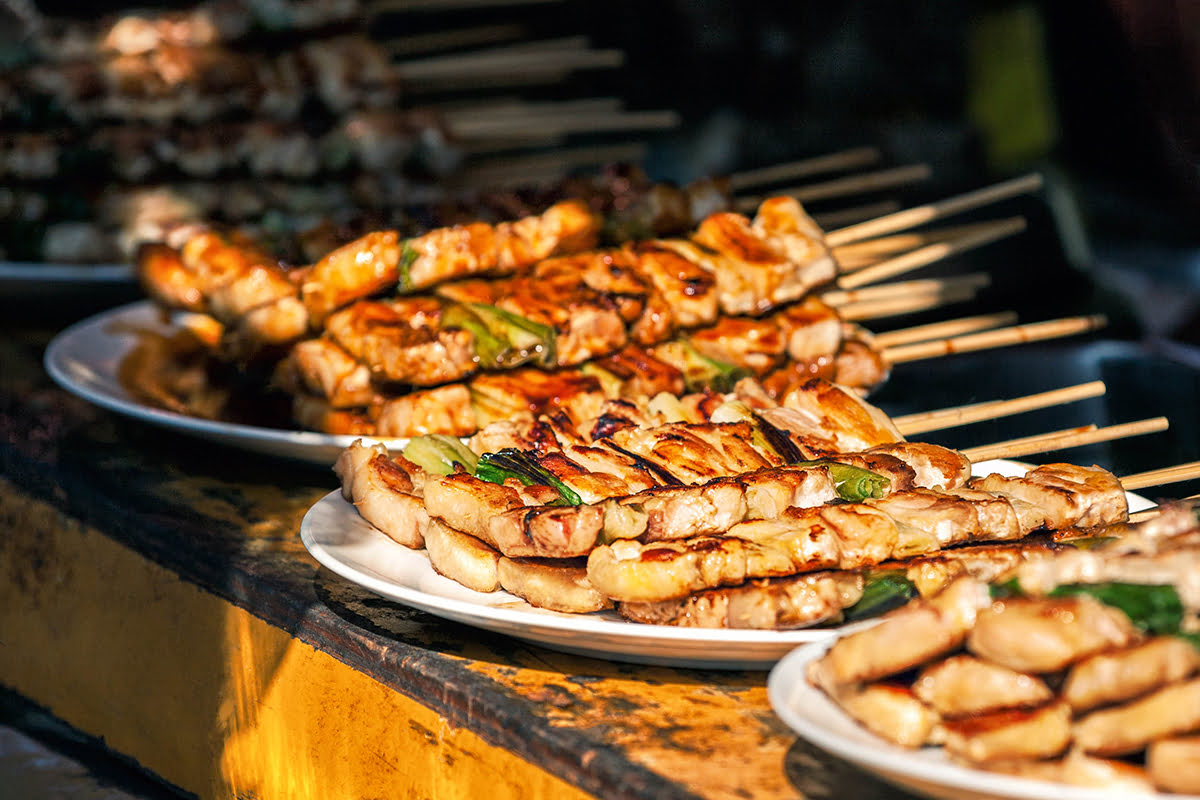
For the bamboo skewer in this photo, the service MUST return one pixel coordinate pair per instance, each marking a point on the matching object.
(869, 251)
(1001, 337)
(928, 254)
(376, 7)
(904, 304)
(853, 214)
(1159, 477)
(945, 328)
(941, 419)
(840, 297)
(436, 41)
(1064, 439)
(504, 62)
(1141, 516)
(561, 124)
(844, 159)
(919, 215)
(840, 187)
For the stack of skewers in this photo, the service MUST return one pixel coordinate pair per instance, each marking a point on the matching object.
(454, 328)
(280, 118)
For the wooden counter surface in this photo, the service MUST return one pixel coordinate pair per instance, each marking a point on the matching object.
(156, 596)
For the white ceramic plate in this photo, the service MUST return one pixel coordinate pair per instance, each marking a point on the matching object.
(813, 716)
(84, 359)
(343, 541)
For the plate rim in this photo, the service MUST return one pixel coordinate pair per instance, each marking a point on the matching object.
(251, 437)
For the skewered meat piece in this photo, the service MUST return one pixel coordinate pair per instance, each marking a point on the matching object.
(905, 638)
(1042, 732)
(555, 585)
(462, 250)
(963, 685)
(776, 258)
(462, 558)
(1047, 634)
(892, 711)
(391, 338)
(1078, 769)
(773, 604)
(1174, 764)
(1054, 489)
(1171, 710)
(1108, 678)
(386, 490)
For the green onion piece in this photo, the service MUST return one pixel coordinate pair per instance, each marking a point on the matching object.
(529, 340)
(439, 454)
(408, 256)
(884, 590)
(489, 348)
(610, 384)
(1005, 589)
(853, 484)
(699, 371)
(1151, 607)
(519, 464)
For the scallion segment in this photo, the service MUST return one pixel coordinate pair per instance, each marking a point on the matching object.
(512, 463)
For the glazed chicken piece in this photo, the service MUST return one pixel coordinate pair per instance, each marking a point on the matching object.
(1167, 712)
(910, 636)
(931, 520)
(769, 604)
(963, 685)
(935, 467)
(892, 711)
(386, 490)
(761, 264)
(442, 409)
(1033, 634)
(824, 409)
(1122, 675)
(984, 562)
(1174, 764)
(694, 453)
(558, 585)
(323, 368)
(688, 289)
(352, 272)
(755, 345)
(1070, 496)
(445, 254)
(1121, 778)
(1042, 732)
(384, 337)
(810, 328)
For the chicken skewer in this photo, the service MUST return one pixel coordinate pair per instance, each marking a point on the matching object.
(719, 505)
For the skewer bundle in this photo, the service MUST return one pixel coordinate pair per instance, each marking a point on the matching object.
(1078, 667)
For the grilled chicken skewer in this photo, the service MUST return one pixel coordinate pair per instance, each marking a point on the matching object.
(656, 543)
(1064, 663)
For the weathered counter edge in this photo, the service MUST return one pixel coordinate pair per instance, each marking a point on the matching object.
(199, 551)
